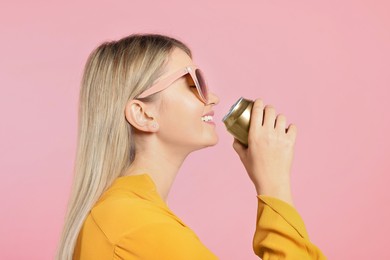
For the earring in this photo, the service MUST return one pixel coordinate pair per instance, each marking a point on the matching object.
(154, 124)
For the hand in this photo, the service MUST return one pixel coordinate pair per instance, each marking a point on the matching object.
(270, 151)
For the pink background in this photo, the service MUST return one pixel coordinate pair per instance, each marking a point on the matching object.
(324, 64)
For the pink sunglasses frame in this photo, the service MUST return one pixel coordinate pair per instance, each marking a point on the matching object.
(168, 81)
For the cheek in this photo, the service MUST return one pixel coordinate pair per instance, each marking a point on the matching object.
(184, 117)
(182, 112)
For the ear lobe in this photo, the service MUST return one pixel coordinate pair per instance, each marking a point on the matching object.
(155, 126)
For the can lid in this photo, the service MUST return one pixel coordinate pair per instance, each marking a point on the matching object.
(232, 108)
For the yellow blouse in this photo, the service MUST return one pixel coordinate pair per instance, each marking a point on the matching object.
(131, 221)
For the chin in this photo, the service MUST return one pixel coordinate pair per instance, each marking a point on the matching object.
(209, 143)
(213, 142)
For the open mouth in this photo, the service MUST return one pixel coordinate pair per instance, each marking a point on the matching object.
(207, 118)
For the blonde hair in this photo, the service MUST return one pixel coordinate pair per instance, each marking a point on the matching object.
(115, 73)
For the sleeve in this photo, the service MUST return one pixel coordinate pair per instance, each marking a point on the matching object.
(162, 241)
(281, 233)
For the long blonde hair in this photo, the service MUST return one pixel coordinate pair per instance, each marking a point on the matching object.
(115, 73)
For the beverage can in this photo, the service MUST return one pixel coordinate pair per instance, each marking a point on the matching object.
(237, 120)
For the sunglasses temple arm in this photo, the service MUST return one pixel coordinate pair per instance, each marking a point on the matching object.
(163, 84)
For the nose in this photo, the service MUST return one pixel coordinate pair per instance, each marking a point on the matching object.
(213, 99)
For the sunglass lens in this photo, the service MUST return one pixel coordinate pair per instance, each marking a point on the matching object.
(202, 83)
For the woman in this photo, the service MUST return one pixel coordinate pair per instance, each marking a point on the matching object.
(144, 108)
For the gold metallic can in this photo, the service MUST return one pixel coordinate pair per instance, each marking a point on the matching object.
(237, 120)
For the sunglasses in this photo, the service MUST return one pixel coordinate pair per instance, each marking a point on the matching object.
(196, 75)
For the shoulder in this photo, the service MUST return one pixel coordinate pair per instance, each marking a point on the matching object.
(161, 240)
(120, 215)
(143, 227)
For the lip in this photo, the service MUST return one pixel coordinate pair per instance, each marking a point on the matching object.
(211, 113)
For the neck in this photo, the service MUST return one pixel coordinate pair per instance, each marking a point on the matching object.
(162, 167)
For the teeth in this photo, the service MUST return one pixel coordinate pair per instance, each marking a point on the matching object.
(207, 118)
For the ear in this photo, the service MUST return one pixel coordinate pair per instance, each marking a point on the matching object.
(138, 115)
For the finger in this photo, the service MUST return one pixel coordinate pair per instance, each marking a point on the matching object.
(292, 131)
(269, 117)
(256, 116)
(280, 124)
